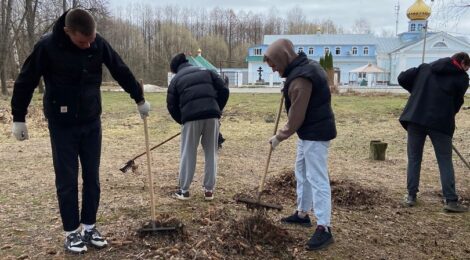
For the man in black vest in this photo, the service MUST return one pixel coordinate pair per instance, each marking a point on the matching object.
(70, 61)
(308, 104)
(437, 92)
(196, 98)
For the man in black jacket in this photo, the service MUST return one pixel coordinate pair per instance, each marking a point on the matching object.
(70, 61)
(437, 93)
(196, 98)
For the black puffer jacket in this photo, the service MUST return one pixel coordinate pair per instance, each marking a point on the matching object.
(437, 93)
(196, 93)
(319, 122)
(72, 77)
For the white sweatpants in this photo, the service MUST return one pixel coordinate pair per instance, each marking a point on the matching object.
(313, 182)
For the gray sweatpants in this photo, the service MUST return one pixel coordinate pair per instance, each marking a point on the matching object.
(207, 131)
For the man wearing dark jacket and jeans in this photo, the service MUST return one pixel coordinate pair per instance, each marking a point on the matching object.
(70, 61)
(436, 95)
(196, 98)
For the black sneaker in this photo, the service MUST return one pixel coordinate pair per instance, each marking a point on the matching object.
(74, 243)
(181, 195)
(320, 239)
(410, 201)
(295, 219)
(454, 207)
(93, 238)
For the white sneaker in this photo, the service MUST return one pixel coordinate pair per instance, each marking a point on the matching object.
(74, 243)
(93, 237)
(181, 195)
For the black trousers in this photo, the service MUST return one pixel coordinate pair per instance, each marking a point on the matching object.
(442, 144)
(69, 145)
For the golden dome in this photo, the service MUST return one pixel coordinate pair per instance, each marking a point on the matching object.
(419, 11)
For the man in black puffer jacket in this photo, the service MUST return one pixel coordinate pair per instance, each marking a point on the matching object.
(437, 93)
(70, 60)
(196, 98)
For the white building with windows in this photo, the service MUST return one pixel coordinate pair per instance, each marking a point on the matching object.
(352, 51)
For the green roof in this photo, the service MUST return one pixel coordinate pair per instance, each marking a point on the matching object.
(204, 63)
(194, 62)
(254, 58)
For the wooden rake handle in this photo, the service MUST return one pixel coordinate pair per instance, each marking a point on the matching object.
(460, 156)
(263, 179)
(149, 170)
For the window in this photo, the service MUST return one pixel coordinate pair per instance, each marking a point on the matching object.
(413, 27)
(420, 27)
(362, 75)
(311, 51)
(327, 50)
(257, 52)
(338, 51)
(301, 49)
(354, 51)
(440, 45)
(366, 50)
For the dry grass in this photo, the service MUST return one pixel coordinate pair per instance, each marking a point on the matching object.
(368, 221)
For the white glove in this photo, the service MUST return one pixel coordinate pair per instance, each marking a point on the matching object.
(20, 131)
(144, 109)
(274, 141)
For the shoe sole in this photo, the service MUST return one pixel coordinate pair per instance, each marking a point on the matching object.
(96, 247)
(209, 199)
(69, 251)
(298, 224)
(180, 198)
(331, 241)
(454, 211)
(409, 205)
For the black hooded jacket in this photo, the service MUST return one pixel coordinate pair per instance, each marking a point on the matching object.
(195, 94)
(72, 77)
(437, 94)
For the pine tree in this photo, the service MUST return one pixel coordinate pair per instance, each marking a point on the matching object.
(329, 61)
(322, 62)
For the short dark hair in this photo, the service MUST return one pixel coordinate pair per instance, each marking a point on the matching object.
(177, 60)
(81, 21)
(462, 57)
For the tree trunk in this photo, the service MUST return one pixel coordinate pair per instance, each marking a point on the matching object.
(4, 39)
(30, 20)
(331, 81)
(4, 82)
(377, 150)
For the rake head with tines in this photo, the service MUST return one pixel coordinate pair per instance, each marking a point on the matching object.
(256, 204)
(129, 165)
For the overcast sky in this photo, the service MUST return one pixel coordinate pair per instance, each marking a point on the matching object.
(380, 13)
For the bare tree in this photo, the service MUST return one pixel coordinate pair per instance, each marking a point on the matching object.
(448, 13)
(361, 26)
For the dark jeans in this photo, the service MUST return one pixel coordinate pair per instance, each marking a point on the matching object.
(442, 144)
(69, 144)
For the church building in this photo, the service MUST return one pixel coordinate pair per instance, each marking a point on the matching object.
(351, 52)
